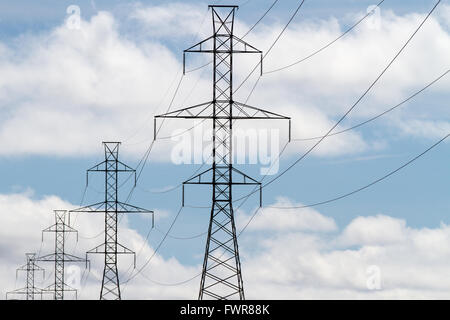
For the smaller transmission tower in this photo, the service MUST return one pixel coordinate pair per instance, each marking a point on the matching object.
(30, 291)
(60, 257)
(111, 207)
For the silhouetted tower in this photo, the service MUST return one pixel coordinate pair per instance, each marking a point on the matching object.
(30, 268)
(60, 257)
(221, 276)
(111, 207)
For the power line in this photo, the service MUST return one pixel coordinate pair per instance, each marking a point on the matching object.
(260, 19)
(248, 97)
(328, 44)
(332, 134)
(272, 45)
(352, 107)
(367, 185)
(139, 270)
(168, 89)
(279, 69)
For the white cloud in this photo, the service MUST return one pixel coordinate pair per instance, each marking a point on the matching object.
(378, 230)
(291, 219)
(65, 91)
(20, 232)
(296, 260)
(295, 265)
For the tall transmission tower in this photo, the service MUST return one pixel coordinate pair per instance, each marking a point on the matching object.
(111, 207)
(30, 291)
(221, 275)
(60, 257)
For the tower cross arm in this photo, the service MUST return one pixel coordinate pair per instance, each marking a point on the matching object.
(128, 208)
(66, 258)
(54, 228)
(121, 208)
(25, 268)
(249, 112)
(239, 111)
(101, 167)
(197, 111)
(121, 249)
(238, 178)
(97, 207)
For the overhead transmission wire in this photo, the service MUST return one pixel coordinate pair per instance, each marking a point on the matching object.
(144, 159)
(176, 217)
(351, 108)
(352, 127)
(380, 114)
(143, 162)
(371, 119)
(367, 185)
(369, 13)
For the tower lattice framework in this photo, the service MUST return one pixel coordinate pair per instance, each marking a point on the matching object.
(111, 207)
(60, 257)
(30, 290)
(221, 275)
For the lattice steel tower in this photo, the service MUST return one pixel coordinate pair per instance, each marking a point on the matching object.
(60, 257)
(111, 207)
(30, 268)
(221, 276)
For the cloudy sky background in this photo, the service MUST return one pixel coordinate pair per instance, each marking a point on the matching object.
(64, 91)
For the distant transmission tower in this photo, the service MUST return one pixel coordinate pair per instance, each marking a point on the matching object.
(30, 268)
(60, 257)
(221, 276)
(111, 207)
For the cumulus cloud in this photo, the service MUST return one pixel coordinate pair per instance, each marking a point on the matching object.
(64, 91)
(285, 255)
(20, 232)
(291, 219)
(407, 262)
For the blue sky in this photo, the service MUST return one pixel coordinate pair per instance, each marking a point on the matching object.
(417, 194)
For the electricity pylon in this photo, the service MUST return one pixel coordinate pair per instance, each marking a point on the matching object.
(221, 276)
(60, 257)
(111, 207)
(30, 268)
